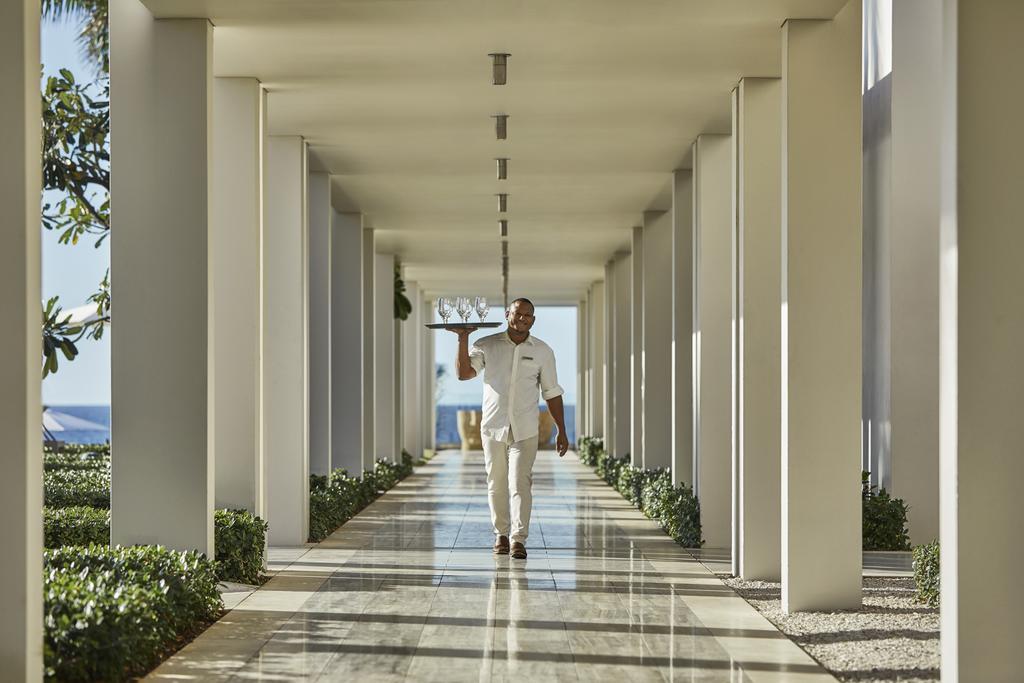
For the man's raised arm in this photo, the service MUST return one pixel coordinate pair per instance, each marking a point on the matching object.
(463, 366)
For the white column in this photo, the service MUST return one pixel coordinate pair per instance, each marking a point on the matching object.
(623, 357)
(582, 367)
(636, 326)
(285, 343)
(657, 339)
(347, 342)
(320, 218)
(21, 535)
(161, 365)
(821, 323)
(610, 313)
(428, 367)
(712, 178)
(683, 347)
(236, 211)
(412, 373)
(598, 359)
(758, 145)
(916, 140)
(369, 451)
(982, 333)
(385, 417)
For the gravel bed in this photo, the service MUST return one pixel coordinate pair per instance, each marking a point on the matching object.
(892, 638)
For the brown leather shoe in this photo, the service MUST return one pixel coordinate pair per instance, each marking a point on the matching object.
(518, 551)
(501, 546)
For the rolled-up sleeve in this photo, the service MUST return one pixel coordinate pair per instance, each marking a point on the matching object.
(476, 357)
(549, 388)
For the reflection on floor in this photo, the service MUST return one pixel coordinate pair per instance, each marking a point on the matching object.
(409, 590)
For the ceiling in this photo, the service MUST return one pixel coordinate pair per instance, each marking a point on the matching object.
(604, 98)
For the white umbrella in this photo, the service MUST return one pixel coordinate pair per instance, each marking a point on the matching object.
(56, 421)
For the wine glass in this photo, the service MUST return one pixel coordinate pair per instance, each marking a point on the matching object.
(482, 307)
(444, 308)
(463, 307)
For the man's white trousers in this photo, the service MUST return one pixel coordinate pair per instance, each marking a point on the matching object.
(509, 484)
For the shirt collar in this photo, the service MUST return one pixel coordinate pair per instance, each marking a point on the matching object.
(529, 339)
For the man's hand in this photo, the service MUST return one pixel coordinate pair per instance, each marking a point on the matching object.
(463, 368)
(561, 443)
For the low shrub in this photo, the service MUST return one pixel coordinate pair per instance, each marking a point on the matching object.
(588, 448)
(96, 449)
(75, 526)
(76, 487)
(653, 493)
(111, 614)
(240, 540)
(608, 467)
(335, 499)
(76, 460)
(884, 519)
(630, 483)
(926, 573)
(680, 515)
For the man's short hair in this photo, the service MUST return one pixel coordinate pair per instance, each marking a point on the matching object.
(523, 300)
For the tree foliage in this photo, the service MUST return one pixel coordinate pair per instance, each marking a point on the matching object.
(76, 169)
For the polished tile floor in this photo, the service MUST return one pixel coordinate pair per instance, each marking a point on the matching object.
(409, 590)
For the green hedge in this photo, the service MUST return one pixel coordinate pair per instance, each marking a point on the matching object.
(883, 519)
(75, 526)
(926, 573)
(111, 614)
(64, 488)
(76, 460)
(240, 540)
(675, 508)
(336, 498)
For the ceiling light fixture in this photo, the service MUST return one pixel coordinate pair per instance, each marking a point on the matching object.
(502, 202)
(499, 68)
(502, 168)
(500, 126)
(503, 228)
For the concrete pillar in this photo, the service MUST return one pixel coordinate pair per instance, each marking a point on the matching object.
(657, 338)
(610, 430)
(582, 368)
(916, 141)
(161, 367)
(21, 535)
(285, 343)
(428, 366)
(598, 360)
(320, 218)
(712, 178)
(821, 323)
(412, 373)
(757, 139)
(683, 346)
(369, 450)
(982, 332)
(236, 209)
(347, 342)
(636, 326)
(622, 398)
(385, 417)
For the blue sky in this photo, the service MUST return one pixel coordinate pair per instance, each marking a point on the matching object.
(73, 272)
(555, 325)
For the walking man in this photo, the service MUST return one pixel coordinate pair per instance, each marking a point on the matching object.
(515, 366)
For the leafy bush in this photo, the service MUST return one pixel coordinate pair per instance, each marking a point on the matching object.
(76, 460)
(884, 519)
(110, 614)
(76, 487)
(240, 539)
(926, 573)
(97, 449)
(680, 515)
(588, 448)
(335, 499)
(75, 526)
(630, 483)
(653, 493)
(608, 467)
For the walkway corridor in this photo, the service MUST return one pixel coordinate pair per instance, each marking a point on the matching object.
(409, 590)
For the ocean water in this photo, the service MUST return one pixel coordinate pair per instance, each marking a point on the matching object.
(448, 428)
(98, 414)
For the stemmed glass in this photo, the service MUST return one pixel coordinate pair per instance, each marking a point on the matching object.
(444, 308)
(482, 307)
(463, 307)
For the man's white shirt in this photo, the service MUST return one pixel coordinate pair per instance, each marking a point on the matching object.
(512, 375)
